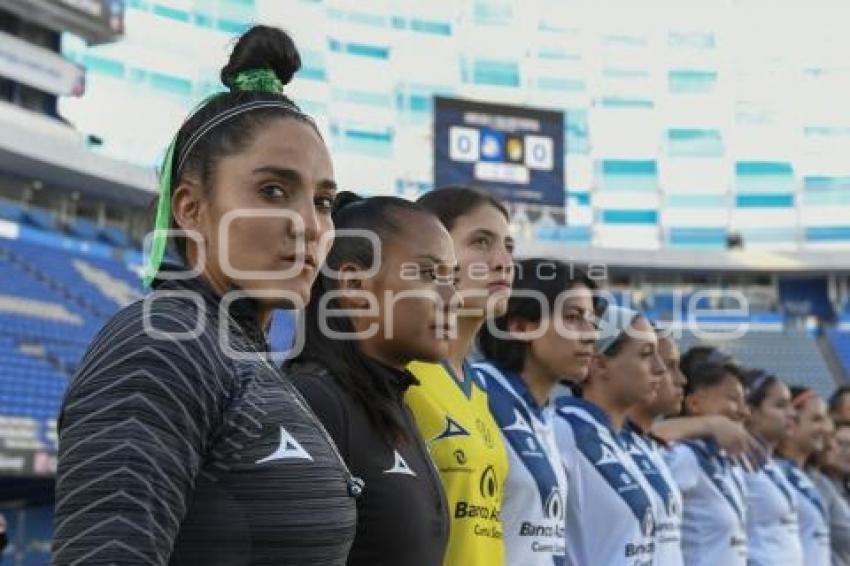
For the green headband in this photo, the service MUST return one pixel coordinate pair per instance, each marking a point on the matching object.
(255, 80)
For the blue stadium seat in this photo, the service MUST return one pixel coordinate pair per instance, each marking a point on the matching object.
(11, 211)
(85, 229)
(116, 236)
(40, 218)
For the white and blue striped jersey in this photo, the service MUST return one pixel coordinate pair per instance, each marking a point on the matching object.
(610, 510)
(814, 520)
(646, 453)
(533, 508)
(773, 531)
(714, 528)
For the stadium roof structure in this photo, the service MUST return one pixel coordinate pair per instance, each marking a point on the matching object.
(42, 148)
(97, 21)
(738, 261)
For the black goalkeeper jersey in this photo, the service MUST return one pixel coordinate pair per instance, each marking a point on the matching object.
(402, 515)
(180, 444)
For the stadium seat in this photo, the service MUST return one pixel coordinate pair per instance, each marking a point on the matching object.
(40, 218)
(10, 211)
(116, 236)
(84, 229)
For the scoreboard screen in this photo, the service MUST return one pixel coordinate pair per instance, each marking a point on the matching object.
(515, 153)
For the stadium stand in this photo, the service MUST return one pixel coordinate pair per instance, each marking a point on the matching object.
(839, 341)
(794, 356)
(53, 300)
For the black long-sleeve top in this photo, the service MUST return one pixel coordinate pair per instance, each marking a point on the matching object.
(402, 515)
(171, 451)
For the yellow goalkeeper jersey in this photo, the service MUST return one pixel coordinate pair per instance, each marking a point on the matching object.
(467, 448)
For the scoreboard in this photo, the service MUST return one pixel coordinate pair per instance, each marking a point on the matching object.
(514, 152)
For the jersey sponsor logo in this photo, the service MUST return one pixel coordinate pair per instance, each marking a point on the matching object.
(557, 548)
(489, 483)
(289, 449)
(453, 428)
(633, 550)
(553, 511)
(529, 529)
(467, 510)
(400, 466)
(490, 531)
(486, 433)
(554, 507)
(673, 509)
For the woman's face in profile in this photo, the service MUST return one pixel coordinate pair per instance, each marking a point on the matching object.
(636, 370)
(484, 247)
(773, 419)
(415, 292)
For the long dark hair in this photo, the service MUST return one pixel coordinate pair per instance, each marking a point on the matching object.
(383, 216)
(511, 354)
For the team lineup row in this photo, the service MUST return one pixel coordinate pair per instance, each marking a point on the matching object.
(480, 412)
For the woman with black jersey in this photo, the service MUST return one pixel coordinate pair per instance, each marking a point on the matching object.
(384, 298)
(178, 442)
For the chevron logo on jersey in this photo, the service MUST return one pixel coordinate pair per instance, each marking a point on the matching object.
(288, 449)
(607, 457)
(519, 424)
(453, 428)
(400, 466)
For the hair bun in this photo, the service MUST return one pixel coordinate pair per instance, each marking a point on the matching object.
(262, 47)
(343, 199)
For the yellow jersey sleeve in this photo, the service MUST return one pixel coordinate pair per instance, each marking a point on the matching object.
(467, 448)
